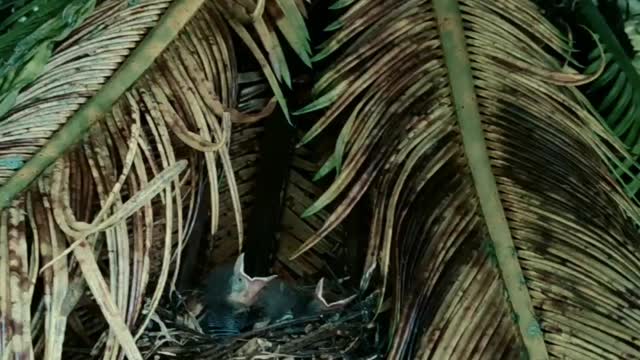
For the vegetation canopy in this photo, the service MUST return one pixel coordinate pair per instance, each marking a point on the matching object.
(468, 168)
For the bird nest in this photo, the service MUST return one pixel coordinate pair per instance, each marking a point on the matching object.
(352, 333)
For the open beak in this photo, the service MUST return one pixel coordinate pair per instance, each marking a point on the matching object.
(324, 304)
(253, 284)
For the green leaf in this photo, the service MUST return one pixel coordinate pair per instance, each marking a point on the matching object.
(322, 102)
(7, 100)
(294, 29)
(35, 66)
(326, 168)
(334, 26)
(341, 4)
(620, 82)
(32, 52)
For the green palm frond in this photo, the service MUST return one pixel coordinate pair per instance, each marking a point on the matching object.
(496, 222)
(27, 39)
(632, 29)
(616, 92)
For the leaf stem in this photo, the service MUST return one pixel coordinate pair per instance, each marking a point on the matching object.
(462, 86)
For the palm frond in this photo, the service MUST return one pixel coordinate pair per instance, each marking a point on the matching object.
(616, 92)
(496, 224)
(486, 178)
(180, 109)
(264, 17)
(245, 152)
(26, 45)
(173, 110)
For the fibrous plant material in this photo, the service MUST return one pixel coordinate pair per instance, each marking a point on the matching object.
(349, 334)
(496, 226)
(99, 202)
(493, 205)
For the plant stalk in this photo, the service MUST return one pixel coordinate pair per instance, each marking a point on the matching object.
(466, 104)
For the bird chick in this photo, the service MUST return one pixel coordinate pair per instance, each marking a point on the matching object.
(229, 296)
(325, 301)
(280, 301)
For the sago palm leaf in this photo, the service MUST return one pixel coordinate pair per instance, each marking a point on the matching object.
(27, 38)
(245, 155)
(182, 106)
(496, 224)
(616, 92)
(631, 28)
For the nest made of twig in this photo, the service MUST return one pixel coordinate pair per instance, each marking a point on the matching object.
(352, 333)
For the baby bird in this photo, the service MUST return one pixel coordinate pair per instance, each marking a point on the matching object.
(280, 301)
(229, 296)
(323, 301)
